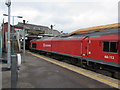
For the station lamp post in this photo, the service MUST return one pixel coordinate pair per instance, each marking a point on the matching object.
(8, 4)
(3, 35)
(24, 41)
(13, 31)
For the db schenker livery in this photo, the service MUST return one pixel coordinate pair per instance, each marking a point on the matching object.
(101, 47)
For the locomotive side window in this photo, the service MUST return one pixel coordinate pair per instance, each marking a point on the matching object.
(106, 46)
(110, 46)
(33, 45)
(113, 47)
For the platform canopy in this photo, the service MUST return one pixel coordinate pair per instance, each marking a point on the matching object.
(97, 28)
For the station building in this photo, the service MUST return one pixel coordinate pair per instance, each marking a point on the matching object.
(30, 29)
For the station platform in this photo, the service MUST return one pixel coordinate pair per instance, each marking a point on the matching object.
(36, 72)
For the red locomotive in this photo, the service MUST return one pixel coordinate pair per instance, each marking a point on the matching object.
(96, 49)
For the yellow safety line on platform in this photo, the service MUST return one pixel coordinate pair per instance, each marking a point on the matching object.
(75, 70)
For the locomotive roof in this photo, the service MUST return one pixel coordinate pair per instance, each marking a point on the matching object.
(83, 35)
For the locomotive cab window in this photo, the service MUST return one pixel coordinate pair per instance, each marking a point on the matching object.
(33, 45)
(109, 46)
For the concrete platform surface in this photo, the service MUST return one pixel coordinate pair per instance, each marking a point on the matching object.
(38, 73)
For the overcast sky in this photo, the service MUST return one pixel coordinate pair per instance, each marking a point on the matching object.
(65, 15)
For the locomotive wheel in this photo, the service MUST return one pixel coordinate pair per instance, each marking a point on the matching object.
(116, 75)
(74, 61)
